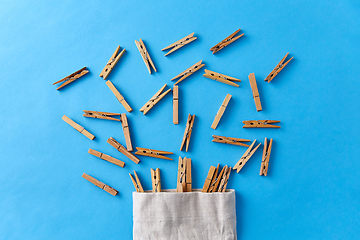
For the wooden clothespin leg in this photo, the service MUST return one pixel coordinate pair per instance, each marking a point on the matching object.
(209, 179)
(247, 155)
(99, 184)
(181, 179)
(265, 157)
(188, 177)
(111, 63)
(214, 180)
(188, 131)
(106, 157)
(176, 104)
(125, 127)
(221, 111)
(122, 149)
(255, 91)
(154, 100)
(72, 77)
(137, 183)
(278, 68)
(226, 42)
(119, 97)
(145, 55)
(224, 179)
(221, 78)
(188, 72)
(78, 127)
(155, 179)
(152, 153)
(178, 44)
(260, 124)
(230, 140)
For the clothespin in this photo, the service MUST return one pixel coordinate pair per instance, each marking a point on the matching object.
(178, 44)
(265, 157)
(215, 180)
(188, 71)
(111, 63)
(224, 179)
(221, 111)
(72, 77)
(188, 178)
(154, 100)
(145, 55)
(221, 78)
(119, 97)
(278, 68)
(260, 124)
(247, 155)
(99, 184)
(226, 41)
(122, 149)
(255, 91)
(78, 127)
(106, 157)
(209, 179)
(230, 140)
(176, 104)
(181, 179)
(152, 153)
(155, 179)
(109, 116)
(188, 131)
(102, 115)
(136, 183)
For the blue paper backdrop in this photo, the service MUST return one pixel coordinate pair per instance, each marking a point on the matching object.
(312, 189)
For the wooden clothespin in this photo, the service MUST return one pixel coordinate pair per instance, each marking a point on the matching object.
(78, 127)
(221, 111)
(224, 179)
(145, 55)
(209, 179)
(111, 63)
(216, 180)
(188, 178)
(155, 179)
(72, 77)
(111, 116)
(188, 71)
(99, 184)
(188, 131)
(154, 100)
(247, 155)
(106, 157)
(221, 78)
(260, 124)
(255, 91)
(278, 68)
(152, 153)
(137, 183)
(265, 157)
(176, 104)
(119, 97)
(123, 150)
(178, 44)
(181, 179)
(226, 41)
(230, 140)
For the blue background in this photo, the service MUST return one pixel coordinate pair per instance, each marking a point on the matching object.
(312, 190)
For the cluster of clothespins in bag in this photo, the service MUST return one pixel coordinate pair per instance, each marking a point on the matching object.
(216, 180)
